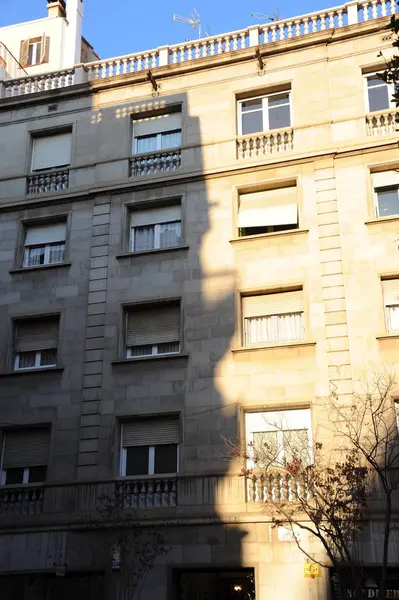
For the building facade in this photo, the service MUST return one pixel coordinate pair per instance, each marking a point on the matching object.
(208, 233)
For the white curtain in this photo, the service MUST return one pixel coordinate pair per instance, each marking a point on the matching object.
(34, 257)
(57, 253)
(169, 234)
(143, 238)
(273, 328)
(147, 143)
(393, 318)
(171, 139)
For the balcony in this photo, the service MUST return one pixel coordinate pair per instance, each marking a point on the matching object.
(163, 161)
(147, 493)
(383, 123)
(22, 500)
(267, 143)
(51, 181)
(275, 488)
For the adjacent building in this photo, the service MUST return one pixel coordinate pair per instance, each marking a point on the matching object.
(192, 238)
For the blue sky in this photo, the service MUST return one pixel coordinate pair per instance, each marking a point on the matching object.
(116, 27)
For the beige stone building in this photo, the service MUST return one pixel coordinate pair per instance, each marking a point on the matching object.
(191, 238)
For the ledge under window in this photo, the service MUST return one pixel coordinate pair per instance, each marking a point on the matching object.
(389, 336)
(379, 220)
(275, 346)
(32, 371)
(246, 238)
(152, 357)
(40, 267)
(152, 251)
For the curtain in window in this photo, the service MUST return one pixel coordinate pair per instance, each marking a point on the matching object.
(169, 235)
(171, 139)
(57, 253)
(143, 238)
(274, 328)
(393, 318)
(34, 257)
(147, 143)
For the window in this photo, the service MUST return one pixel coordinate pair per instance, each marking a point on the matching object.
(268, 211)
(44, 245)
(150, 446)
(153, 330)
(160, 132)
(390, 289)
(25, 456)
(155, 228)
(36, 343)
(264, 113)
(51, 151)
(35, 51)
(273, 318)
(379, 93)
(276, 437)
(386, 193)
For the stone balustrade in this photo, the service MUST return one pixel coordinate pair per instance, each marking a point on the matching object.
(24, 500)
(130, 63)
(39, 83)
(383, 123)
(209, 46)
(147, 493)
(155, 162)
(274, 488)
(51, 181)
(268, 142)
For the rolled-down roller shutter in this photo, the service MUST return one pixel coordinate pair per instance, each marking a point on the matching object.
(45, 234)
(156, 124)
(386, 179)
(36, 334)
(271, 207)
(154, 325)
(164, 214)
(390, 289)
(272, 304)
(149, 432)
(51, 151)
(26, 448)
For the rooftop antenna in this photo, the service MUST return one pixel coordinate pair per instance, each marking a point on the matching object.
(275, 16)
(193, 20)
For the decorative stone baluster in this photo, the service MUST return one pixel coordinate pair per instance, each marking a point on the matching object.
(305, 26)
(322, 22)
(365, 11)
(274, 32)
(234, 37)
(383, 8)
(340, 14)
(314, 23)
(331, 19)
(374, 9)
(297, 25)
(146, 61)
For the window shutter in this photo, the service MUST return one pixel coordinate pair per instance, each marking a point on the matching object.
(271, 207)
(45, 234)
(390, 289)
(26, 448)
(24, 52)
(51, 151)
(36, 334)
(150, 432)
(45, 49)
(272, 304)
(156, 124)
(156, 215)
(385, 179)
(155, 325)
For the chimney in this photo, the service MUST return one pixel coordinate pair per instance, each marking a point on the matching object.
(56, 8)
(73, 42)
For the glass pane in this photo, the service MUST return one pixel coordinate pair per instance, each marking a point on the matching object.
(265, 447)
(144, 238)
(165, 458)
(274, 328)
(252, 122)
(14, 476)
(37, 474)
(34, 256)
(279, 116)
(171, 139)
(137, 460)
(168, 348)
(27, 360)
(279, 100)
(393, 318)
(296, 444)
(48, 357)
(388, 203)
(140, 350)
(378, 98)
(170, 234)
(374, 81)
(57, 253)
(250, 105)
(146, 143)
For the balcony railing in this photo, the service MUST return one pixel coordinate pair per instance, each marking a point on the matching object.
(275, 488)
(269, 142)
(21, 501)
(155, 162)
(383, 123)
(285, 29)
(52, 181)
(147, 493)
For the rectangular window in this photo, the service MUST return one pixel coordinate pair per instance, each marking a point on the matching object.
(379, 93)
(390, 289)
(277, 437)
(268, 211)
(51, 151)
(155, 228)
(150, 446)
(44, 245)
(273, 318)
(159, 132)
(25, 456)
(386, 193)
(152, 330)
(36, 343)
(34, 51)
(264, 113)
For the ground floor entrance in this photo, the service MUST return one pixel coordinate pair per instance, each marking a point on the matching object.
(238, 584)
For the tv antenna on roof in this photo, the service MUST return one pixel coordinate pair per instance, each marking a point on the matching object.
(193, 20)
(275, 16)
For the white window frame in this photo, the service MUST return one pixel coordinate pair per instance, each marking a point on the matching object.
(37, 364)
(391, 91)
(284, 420)
(151, 461)
(390, 328)
(265, 110)
(36, 53)
(157, 236)
(47, 252)
(376, 204)
(154, 351)
(158, 138)
(25, 479)
(246, 344)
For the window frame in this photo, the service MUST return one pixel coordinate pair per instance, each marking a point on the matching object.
(376, 191)
(154, 351)
(151, 460)
(25, 477)
(391, 90)
(158, 138)
(36, 46)
(265, 110)
(37, 364)
(157, 236)
(47, 253)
